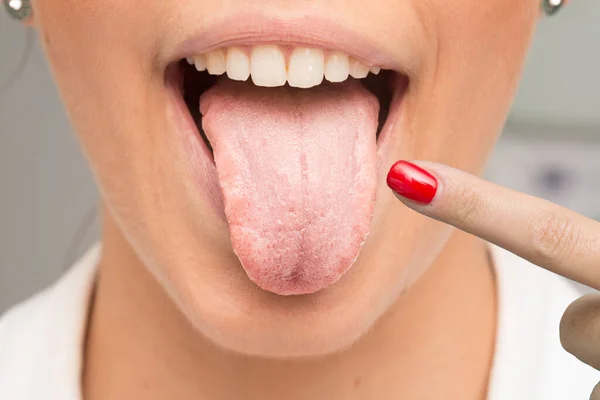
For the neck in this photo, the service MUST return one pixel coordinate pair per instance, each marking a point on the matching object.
(435, 342)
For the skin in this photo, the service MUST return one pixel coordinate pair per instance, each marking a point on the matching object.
(174, 316)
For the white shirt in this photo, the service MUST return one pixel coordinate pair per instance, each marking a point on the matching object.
(41, 340)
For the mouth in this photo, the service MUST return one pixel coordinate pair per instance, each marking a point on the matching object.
(278, 66)
(293, 132)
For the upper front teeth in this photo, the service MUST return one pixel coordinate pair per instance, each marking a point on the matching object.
(337, 67)
(358, 70)
(215, 62)
(266, 64)
(238, 64)
(306, 67)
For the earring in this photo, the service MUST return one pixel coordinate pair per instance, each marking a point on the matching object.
(18, 9)
(551, 7)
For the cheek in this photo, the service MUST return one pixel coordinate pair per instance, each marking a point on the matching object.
(487, 37)
(97, 66)
(87, 37)
(476, 53)
(107, 84)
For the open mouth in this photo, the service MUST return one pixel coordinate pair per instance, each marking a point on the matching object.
(293, 132)
(201, 72)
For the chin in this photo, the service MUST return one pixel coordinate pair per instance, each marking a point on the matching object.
(245, 319)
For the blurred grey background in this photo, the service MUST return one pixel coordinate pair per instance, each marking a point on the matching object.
(551, 146)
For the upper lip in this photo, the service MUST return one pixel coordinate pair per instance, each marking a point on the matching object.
(305, 30)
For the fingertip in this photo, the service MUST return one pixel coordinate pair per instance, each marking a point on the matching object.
(409, 181)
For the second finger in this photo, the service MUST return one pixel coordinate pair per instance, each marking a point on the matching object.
(580, 329)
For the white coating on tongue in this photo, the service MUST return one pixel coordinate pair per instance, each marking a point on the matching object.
(297, 170)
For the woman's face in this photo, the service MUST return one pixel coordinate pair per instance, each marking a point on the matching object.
(256, 245)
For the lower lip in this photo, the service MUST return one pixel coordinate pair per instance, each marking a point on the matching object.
(199, 159)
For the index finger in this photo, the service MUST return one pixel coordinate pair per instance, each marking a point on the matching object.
(548, 235)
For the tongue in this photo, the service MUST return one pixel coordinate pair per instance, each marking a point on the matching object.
(298, 177)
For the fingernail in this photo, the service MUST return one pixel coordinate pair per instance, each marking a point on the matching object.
(412, 182)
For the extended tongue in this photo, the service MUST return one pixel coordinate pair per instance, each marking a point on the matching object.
(297, 170)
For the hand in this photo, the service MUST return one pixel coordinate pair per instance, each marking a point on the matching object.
(537, 230)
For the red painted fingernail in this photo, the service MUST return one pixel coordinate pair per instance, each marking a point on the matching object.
(412, 182)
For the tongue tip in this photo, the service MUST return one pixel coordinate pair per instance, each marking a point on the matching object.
(295, 287)
(291, 273)
(303, 280)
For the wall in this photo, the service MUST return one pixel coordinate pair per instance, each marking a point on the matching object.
(561, 84)
(45, 187)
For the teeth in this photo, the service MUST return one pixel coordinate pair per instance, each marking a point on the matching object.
(306, 68)
(238, 64)
(215, 62)
(268, 66)
(200, 62)
(357, 69)
(337, 67)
